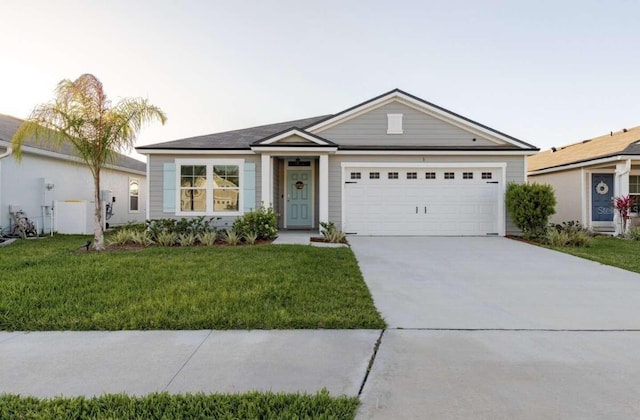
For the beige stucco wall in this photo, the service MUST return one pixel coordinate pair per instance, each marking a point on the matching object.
(567, 187)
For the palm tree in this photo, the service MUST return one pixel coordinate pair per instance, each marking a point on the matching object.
(81, 115)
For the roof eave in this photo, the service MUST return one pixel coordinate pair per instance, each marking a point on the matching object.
(579, 164)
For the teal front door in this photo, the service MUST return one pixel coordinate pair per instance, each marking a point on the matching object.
(299, 199)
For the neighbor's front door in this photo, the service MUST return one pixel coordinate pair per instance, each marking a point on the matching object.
(601, 196)
(299, 198)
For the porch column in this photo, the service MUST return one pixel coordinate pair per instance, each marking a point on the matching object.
(323, 184)
(266, 195)
(621, 188)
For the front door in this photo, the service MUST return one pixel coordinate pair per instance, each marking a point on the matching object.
(601, 197)
(299, 199)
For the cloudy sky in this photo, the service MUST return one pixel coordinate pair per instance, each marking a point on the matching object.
(546, 72)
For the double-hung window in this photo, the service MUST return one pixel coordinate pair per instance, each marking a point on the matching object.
(634, 193)
(209, 186)
(134, 195)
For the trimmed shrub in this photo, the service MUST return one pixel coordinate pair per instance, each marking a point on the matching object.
(633, 233)
(557, 238)
(231, 237)
(331, 233)
(250, 238)
(570, 233)
(208, 238)
(262, 221)
(121, 237)
(530, 206)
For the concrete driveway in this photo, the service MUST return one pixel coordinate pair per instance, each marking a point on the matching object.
(495, 328)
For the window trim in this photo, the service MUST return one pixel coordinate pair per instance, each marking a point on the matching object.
(635, 197)
(210, 163)
(137, 180)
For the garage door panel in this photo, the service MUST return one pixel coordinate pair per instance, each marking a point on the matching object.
(423, 206)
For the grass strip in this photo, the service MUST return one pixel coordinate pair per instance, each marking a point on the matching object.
(607, 250)
(188, 406)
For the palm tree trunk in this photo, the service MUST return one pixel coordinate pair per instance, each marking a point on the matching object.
(98, 232)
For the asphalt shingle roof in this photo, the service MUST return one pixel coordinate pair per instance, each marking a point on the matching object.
(236, 139)
(9, 125)
(615, 143)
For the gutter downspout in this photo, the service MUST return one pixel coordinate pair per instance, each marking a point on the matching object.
(7, 153)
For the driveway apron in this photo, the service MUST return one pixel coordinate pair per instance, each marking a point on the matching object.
(496, 328)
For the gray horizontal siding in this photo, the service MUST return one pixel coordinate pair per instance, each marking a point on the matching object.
(419, 129)
(514, 172)
(156, 167)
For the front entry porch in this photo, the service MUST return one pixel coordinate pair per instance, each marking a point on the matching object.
(297, 188)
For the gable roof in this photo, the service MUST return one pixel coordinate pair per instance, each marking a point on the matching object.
(624, 142)
(429, 107)
(244, 139)
(309, 138)
(9, 125)
(236, 139)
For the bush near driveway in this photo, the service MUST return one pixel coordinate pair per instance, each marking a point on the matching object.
(190, 406)
(51, 284)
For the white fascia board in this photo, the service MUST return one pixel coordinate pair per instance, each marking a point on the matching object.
(584, 164)
(294, 132)
(75, 159)
(423, 164)
(323, 125)
(195, 152)
(294, 149)
(419, 106)
(437, 152)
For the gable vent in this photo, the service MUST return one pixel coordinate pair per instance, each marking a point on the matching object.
(394, 123)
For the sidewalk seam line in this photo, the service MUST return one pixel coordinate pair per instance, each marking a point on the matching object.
(187, 361)
(371, 362)
(518, 329)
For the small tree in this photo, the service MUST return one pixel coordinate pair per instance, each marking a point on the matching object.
(81, 115)
(530, 206)
(623, 206)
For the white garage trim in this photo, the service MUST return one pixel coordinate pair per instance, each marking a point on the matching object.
(500, 166)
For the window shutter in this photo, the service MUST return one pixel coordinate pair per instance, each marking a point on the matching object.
(169, 188)
(249, 188)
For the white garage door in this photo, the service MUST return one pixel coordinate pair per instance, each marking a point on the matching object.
(422, 201)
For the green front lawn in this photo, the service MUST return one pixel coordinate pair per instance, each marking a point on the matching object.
(191, 406)
(617, 252)
(49, 284)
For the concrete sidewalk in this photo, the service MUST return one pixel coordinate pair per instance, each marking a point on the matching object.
(48, 364)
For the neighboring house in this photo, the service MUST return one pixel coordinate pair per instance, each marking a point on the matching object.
(393, 165)
(47, 175)
(586, 176)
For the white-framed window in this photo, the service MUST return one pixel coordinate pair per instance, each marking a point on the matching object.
(634, 193)
(134, 195)
(449, 175)
(429, 175)
(412, 175)
(374, 175)
(394, 124)
(467, 175)
(209, 187)
(356, 175)
(487, 175)
(392, 175)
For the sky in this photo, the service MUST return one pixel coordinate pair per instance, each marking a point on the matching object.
(549, 73)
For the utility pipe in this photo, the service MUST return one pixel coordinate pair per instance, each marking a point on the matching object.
(7, 153)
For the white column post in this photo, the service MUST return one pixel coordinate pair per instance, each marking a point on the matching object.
(266, 195)
(324, 188)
